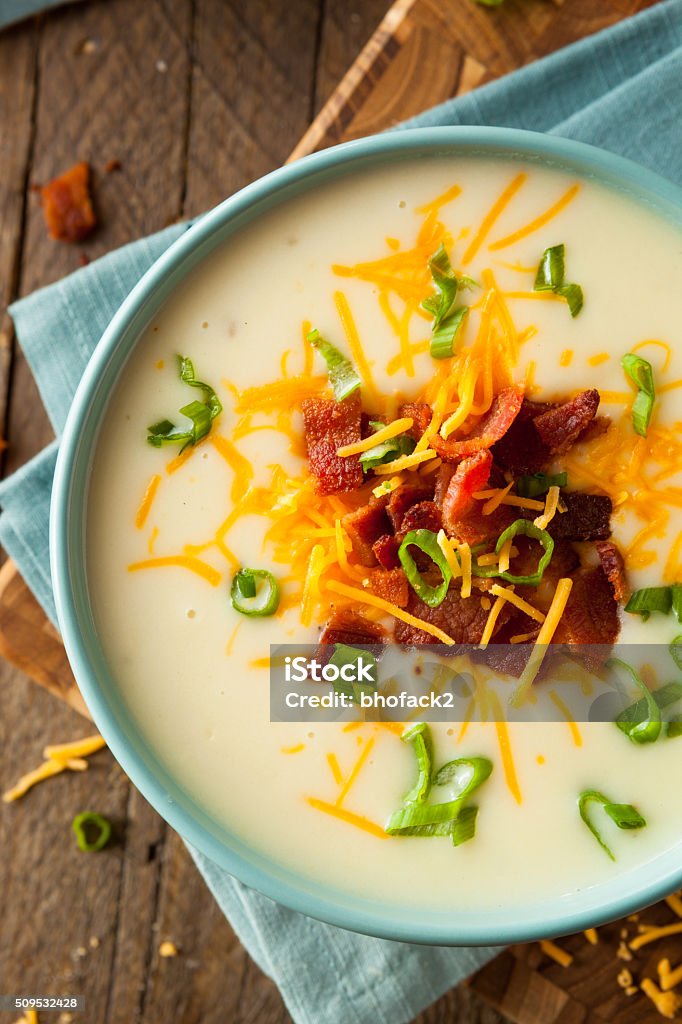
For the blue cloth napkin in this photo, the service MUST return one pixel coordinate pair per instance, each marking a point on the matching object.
(621, 89)
(16, 10)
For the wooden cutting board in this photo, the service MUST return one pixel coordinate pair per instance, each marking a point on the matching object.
(424, 52)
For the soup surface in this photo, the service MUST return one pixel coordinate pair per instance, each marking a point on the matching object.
(167, 531)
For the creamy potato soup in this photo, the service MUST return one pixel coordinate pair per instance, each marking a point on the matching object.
(488, 344)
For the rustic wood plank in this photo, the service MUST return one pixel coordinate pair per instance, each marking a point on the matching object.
(254, 68)
(101, 96)
(18, 53)
(346, 29)
(112, 85)
(462, 44)
(55, 898)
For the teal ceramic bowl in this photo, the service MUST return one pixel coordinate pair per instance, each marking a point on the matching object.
(626, 891)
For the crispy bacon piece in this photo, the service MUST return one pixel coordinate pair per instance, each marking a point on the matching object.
(462, 513)
(366, 526)
(613, 565)
(471, 475)
(403, 498)
(463, 619)
(391, 584)
(351, 628)
(590, 623)
(425, 515)
(560, 427)
(595, 429)
(67, 205)
(491, 428)
(565, 560)
(328, 425)
(386, 551)
(443, 477)
(421, 413)
(587, 517)
(521, 450)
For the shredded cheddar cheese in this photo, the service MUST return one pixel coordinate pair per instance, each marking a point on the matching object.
(491, 622)
(563, 708)
(465, 561)
(189, 562)
(357, 768)
(355, 594)
(538, 222)
(495, 212)
(556, 953)
(351, 819)
(59, 758)
(448, 547)
(405, 462)
(510, 499)
(504, 743)
(592, 936)
(496, 500)
(550, 510)
(507, 594)
(667, 977)
(654, 934)
(547, 630)
(386, 434)
(147, 502)
(667, 1003)
(78, 748)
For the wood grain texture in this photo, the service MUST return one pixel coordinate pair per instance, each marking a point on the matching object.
(195, 98)
(426, 51)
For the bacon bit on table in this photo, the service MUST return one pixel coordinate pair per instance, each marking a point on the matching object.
(67, 204)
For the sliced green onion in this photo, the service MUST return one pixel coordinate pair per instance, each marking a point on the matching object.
(387, 451)
(528, 529)
(464, 825)
(201, 414)
(424, 819)
(641, 374)
(551, 269)
(573, 294)
(246, 583)
(426, 541)
(675, 649)
(625, 816)
(345, 655)
(265, 597)
(481, 770)
(676, 600)
(644, 727)
(637, 713)
(674, 727)
(533, 484)
(343, 376)
(417, 818)
(550, 278)
(447, 320)
(447, 284)
(650, 599)
(92, 831)
(419, 737)
(444, 337)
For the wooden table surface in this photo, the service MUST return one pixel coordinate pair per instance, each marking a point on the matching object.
(194, 98)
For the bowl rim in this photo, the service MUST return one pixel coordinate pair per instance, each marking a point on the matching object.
(566, 914)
